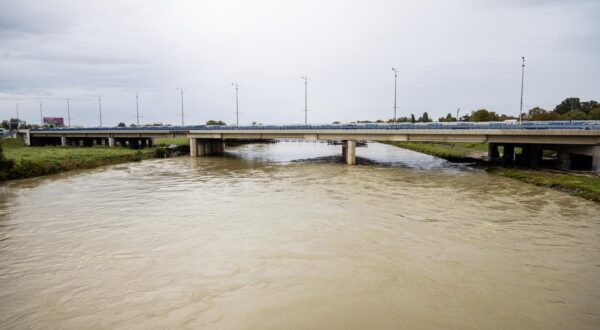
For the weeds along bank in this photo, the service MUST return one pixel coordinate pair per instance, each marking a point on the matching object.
(587, 187)
(19, 161)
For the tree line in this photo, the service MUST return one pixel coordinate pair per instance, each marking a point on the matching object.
(569, 109)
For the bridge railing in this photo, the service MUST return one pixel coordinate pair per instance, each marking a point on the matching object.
(528, 125)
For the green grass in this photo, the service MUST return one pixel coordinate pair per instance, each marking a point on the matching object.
(28, 162)
(587, 187)
(168, 141)
(583, 186)
(447, 150)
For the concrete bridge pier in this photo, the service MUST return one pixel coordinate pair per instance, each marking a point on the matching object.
(206, 147)
(508, 155)
(111, 141)
(63, 141)
(349, 151)
(493, 153)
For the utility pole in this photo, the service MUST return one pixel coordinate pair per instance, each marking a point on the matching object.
(522, 82)
(237, 108)
(181, 91)
(395, 91)
(17, 106)
(100, 108)
(41, 115)
(137, 109)
(68, 113)
(305, 99)
(457, 112)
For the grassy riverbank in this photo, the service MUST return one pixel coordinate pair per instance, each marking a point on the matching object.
(584, 186)
(26, 162)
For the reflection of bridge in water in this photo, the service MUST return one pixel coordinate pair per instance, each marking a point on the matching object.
(576, 143)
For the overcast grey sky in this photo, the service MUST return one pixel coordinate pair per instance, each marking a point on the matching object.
(450, 54)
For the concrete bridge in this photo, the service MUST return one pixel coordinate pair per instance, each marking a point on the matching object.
(576, 143)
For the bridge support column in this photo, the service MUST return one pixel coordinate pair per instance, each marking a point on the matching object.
(111, 141)
(206, 147)
(532, 154)
(493, 153)
(564, 160)
(63, 141)
(349, 152)
(508, 156)
(596, 159)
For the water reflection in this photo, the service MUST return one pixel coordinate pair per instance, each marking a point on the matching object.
(275, 236)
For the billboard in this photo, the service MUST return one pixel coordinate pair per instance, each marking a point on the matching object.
(55, 121)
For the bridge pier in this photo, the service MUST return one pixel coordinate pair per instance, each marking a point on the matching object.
(508, 155)
(349, 152)
(111, 141)
(493, 153)
(206, 147)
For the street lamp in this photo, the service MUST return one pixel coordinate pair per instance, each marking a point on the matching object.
(305, 99)
(181, 91)
(395, 90)
(522, 82)
(237, 108)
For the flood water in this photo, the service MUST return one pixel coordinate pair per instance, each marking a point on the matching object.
(285, 236)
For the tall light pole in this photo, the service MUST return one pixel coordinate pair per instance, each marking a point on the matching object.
(305, 99)
(237, 108)
(41, 115)
(395, 90)
(100, 108)
(522, 82)
(137, 109)
(457, 112)
(181, 91)
(68, 113)
(17, 106)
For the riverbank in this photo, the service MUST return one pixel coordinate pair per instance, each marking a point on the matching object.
(585, 186)
(26, 162)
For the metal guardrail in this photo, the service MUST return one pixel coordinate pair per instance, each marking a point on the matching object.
(574, 125)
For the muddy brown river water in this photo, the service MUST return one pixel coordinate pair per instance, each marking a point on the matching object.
(285, 236)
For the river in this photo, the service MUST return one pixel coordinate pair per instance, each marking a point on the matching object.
(285, 235)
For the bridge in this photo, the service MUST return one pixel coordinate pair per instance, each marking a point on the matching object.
(575, 142)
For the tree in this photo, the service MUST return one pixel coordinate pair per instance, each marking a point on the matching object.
(587, 107)
(5, 124)
(426, 117)
(595, 114)
(121, 124)
(448, 118)
(568, 104)
(412, 118)
(576, 115)
(483, 115)
(215, 122)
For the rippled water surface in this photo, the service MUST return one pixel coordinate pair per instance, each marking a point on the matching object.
(284, 235)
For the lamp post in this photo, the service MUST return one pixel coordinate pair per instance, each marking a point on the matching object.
(237, 108)
(181, 91)
(522, 83)
(305, 78)
(137, 109)
(41, 115)
(395, 91)
(100, 108)
(68, 113)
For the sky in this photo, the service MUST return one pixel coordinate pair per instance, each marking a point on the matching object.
(449, 54)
